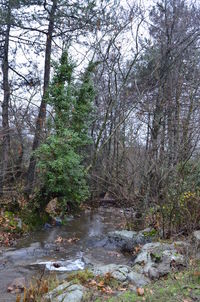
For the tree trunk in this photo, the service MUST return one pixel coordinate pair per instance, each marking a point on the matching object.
(5, 104)
(42, 111)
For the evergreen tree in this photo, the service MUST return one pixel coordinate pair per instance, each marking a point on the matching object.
(60, 158)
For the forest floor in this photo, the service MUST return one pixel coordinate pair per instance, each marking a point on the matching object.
(9, 229)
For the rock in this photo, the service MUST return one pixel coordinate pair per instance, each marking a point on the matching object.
(196, 238)
(119, 272)
(126, 240)
(158, 259)
(132, 288)
(66, 292)
(137, 279)
(17, 285)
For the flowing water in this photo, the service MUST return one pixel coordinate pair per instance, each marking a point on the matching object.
(42, 249)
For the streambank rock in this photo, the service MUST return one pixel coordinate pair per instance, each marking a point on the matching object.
(158, 259)
(196, 238)
(126, 240)
(119, 272)
(122, 273)
(66, 292)
(139, 280)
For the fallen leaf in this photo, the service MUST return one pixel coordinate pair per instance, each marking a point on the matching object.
(137, 249)
(100, 284)
(140, 291)
(72, 240)
(108, 290)
(197, 274)
(92, 283)
(122, 289)
(59, 239)
(10, 289)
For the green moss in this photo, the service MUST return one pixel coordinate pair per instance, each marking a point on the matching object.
(156, 257)
(151, 233)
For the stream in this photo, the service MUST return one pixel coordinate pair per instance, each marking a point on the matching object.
(41, 249)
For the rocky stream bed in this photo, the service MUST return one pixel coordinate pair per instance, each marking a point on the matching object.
(95, 241)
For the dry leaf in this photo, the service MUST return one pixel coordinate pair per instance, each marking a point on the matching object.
(59, 239)
(72, 240)
(92, 283)
(10, 289)
(108, 290)
(122, 289)
(137, 249)
(100, 284)
(140, 291)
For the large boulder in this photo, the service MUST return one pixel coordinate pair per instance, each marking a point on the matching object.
(66, 292)
(126, 240)
(158, 259)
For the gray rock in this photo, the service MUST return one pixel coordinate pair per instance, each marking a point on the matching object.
(158, 259)
(126, 240)
(196, 238)
(17, 285)
(119, 272)
(75, 294)
(153, 273)
(137, 279)
(66, 292)
(61, 288)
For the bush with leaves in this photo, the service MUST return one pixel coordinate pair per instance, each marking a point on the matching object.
(60, 157)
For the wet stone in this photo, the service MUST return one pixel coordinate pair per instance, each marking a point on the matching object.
(126, 240)
(66, 292)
